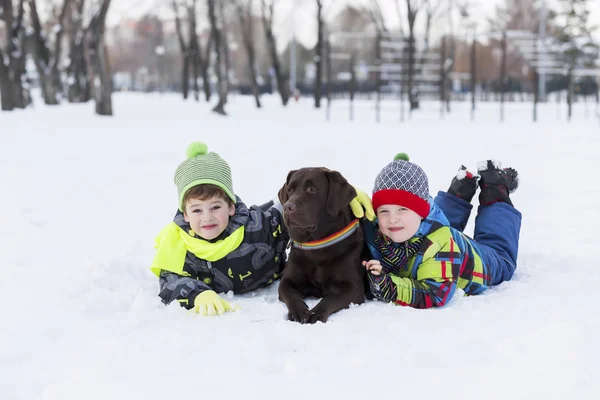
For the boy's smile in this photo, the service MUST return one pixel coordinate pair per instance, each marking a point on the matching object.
(208, 218)
(398, 223)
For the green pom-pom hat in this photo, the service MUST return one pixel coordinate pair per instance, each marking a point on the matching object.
(196, 149)
(402, 156)
(202, 167)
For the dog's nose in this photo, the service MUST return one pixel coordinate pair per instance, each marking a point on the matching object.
(289, 207)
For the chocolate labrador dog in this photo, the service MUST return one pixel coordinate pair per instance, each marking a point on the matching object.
(327, 241)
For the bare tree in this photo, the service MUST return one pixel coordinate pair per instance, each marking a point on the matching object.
(577, 45)
(205, 68)
(376, 15)
(267, 17)
(78, 88)
(450, 53)
(378, 20)
(319, 54)
(221, 76)
(13, 93)
(244, 13)
(400, 17)
(199, 62)
(47, 59)
(185, 53)
(100, 67)
(224, 48)
(413, 7)
(191, 53)
(432, 8)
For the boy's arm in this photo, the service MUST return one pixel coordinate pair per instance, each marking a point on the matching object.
(183, 289)
(427, 293)
(410, 292)
(435, 284)
(272, 217)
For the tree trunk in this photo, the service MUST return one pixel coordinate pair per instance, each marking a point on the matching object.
(216, 35)
(473, 75)
(185, 75)
(570, 94)
(46, 60)
(352, 84)
(77, 84)
(196, 69)
(78, 87)
(245, 18)
(185, 54)
(328, 74)
(195, 59)
(205, 67)
(6, 81)
(411, 16)
(443, 75)
(225, 51)
(378, 74)
(16, 54)
(536, 97)
(503, 74)
(6, 92)
(282, 88)
(319, 55)
(99, 60)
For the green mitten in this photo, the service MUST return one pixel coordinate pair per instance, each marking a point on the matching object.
(361, 205)
(209, 303)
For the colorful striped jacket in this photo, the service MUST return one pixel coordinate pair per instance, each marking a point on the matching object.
(446, 259)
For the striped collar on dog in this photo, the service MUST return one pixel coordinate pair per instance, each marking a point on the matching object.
(329, 240)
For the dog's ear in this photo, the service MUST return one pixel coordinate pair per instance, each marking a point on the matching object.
(283, 196)
(340, 192)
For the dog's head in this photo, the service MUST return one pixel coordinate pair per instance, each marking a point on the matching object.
(313, 198)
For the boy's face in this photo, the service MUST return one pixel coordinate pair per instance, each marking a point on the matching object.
(398, 223)
(208, 218)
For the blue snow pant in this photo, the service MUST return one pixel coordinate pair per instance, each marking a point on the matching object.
(496, 238)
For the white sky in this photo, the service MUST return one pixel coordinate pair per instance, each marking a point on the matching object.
(306, 9)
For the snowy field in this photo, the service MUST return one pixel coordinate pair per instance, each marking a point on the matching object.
(83, 198)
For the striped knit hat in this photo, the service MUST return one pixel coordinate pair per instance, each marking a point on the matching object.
(402, 183)
(202, 167)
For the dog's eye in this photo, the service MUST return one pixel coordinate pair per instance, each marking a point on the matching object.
(311, 190)
(290, 190)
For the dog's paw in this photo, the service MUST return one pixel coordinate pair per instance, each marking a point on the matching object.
(298, 315)
(314, 317)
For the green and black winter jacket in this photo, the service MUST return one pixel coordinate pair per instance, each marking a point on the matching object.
(248, 255)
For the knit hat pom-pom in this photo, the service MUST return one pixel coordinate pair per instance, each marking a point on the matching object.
(401, 156)
(196, 149)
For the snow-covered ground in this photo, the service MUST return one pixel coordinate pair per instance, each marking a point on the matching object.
(83, 198)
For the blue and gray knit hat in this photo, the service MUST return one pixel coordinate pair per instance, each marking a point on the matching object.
(202, 167)
(402, 183)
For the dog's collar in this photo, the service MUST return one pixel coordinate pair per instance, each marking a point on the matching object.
(329, 240)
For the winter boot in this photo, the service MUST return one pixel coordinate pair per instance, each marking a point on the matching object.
(464, 184)
(496, 183)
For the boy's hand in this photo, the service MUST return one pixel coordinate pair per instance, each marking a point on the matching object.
(209, 303)
(361, 205)
(373, 266)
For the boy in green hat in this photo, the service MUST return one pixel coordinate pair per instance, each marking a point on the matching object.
(216, 243)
